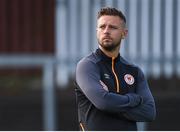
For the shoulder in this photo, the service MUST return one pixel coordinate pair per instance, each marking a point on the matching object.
(132, 66)
(88, 62)
(127, 63)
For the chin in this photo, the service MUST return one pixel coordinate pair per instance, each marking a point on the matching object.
(107, 44)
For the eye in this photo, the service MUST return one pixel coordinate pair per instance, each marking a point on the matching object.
(113, 27)
(102, 27)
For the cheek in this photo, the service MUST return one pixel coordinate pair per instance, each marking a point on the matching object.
(116, 35)
(98, 35)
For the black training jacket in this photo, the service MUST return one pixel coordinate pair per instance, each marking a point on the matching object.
(127, 101)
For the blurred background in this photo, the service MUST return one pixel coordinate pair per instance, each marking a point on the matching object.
(42, 40)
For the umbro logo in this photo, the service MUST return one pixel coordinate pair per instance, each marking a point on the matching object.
(107, 76)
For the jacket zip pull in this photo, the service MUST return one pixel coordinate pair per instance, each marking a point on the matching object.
(117, 81)
(82, 127)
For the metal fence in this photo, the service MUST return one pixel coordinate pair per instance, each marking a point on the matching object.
(47, 63)
(153, 41)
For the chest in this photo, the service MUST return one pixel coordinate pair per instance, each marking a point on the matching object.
(122, 76)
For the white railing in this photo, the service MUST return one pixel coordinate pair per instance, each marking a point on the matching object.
(47, 64)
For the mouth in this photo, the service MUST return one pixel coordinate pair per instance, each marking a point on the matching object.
(107, 39)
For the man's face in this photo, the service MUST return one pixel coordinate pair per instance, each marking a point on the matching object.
(110, 30)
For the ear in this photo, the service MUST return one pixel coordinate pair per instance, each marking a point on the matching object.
(124, 34)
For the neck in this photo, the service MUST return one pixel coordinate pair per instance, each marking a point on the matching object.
(112, 54)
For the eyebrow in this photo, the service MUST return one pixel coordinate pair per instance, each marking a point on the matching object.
(110, 25)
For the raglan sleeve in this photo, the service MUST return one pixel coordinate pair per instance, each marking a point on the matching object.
(146, 111)
(88, 79)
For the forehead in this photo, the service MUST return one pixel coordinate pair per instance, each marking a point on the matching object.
(109, 20)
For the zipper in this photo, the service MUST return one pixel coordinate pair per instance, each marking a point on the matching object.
(82, 127)
(113, 70)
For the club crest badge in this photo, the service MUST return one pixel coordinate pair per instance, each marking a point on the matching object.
(129, 79)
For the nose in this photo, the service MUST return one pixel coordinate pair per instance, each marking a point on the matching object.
(106, 30)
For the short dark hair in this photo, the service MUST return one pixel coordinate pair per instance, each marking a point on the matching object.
(111, 12)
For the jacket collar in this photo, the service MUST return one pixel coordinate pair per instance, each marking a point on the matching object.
(103, 56)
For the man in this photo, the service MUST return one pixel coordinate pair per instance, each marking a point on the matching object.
(112, 94)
